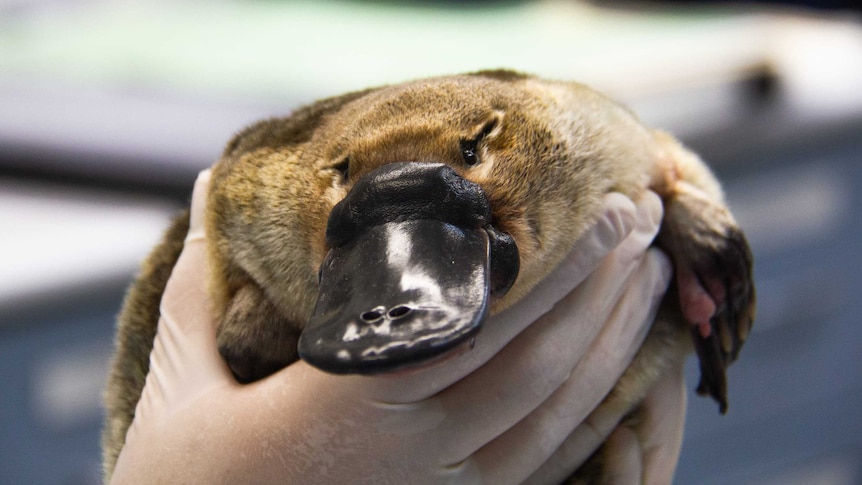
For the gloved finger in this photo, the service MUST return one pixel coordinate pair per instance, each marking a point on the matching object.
(537, 362)
(623, 459)
(662, 427)
(617, 222)
(185, 296)
(529, 444)
(197, 229)
(184, 359)
(648, 454)
(595, 428)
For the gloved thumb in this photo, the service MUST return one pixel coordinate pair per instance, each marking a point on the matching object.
(184, 361)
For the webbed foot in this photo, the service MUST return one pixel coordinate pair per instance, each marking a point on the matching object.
(714, 277)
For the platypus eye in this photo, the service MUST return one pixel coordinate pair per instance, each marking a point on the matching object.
(343, 168)
(470, 148)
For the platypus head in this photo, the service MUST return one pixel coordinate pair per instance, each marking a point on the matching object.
(387, 224)
(414, 258)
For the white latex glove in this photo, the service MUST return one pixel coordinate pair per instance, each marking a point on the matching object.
(493, 414)
(646, 455)
(652, 461)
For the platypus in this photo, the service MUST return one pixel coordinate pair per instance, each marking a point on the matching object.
(377, 230)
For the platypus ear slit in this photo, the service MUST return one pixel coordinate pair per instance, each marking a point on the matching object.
(489, 126)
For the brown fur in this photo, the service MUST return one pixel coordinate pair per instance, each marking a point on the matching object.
(556, 150)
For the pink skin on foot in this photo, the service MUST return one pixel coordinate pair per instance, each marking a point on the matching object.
(697, 305)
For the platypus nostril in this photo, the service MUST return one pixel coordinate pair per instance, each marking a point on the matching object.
(399, 311)
(373, 315)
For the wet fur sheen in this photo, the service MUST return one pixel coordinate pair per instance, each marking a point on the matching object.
(557, 148)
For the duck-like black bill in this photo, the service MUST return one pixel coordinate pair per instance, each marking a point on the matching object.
(399, 294)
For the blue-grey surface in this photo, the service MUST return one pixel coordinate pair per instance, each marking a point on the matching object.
(52, 366)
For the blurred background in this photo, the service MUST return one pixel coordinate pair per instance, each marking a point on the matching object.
(109, 109)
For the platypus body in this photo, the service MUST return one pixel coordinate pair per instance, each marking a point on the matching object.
(377, 230)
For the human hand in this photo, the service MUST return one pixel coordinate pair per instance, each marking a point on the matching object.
(494, 414)
(647, 451)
